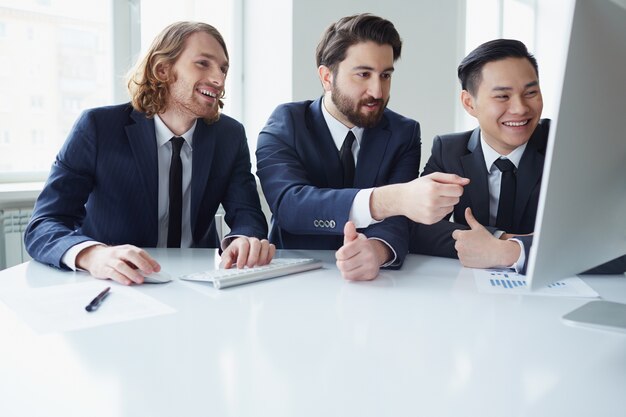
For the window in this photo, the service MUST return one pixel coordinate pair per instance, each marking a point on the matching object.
(544, 28)
(492, 19)
(57, 51)
(36, 103)
(5, 139)
(65, 57)
(220, 14)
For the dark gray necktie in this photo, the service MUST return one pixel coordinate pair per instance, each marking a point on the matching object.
(347, 160)
(506, 204)
(176, 195)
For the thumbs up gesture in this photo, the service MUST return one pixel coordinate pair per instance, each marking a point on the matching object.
(478, 248)
(360, 258)
(350, 234)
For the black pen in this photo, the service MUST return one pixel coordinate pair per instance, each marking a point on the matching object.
(95, 303)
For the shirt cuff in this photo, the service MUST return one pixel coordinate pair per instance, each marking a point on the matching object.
(518, 266)
(393, 258)
(69, 257)
(228, 240)
(360, 213)
(498, 234)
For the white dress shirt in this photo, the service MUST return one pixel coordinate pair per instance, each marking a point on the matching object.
(164, 155)
(360, 213)
(494, 179)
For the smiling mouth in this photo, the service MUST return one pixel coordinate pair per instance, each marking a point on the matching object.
(516, 124)
(207, 93)
(371, 104)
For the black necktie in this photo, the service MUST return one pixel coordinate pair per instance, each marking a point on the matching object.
(176, 195)
(347, 160)
(506, 204)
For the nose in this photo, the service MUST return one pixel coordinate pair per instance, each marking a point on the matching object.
(217, 77)
(375, 87)
(518, 105)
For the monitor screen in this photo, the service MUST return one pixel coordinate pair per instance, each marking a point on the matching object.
(581, 218)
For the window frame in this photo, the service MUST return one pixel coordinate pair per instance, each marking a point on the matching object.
(126, 48)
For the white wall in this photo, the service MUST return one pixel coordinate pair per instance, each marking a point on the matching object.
(279, 57)
(267, 57)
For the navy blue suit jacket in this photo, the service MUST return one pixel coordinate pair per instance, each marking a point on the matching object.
(103, 185)
(301, 174)
(461, 154)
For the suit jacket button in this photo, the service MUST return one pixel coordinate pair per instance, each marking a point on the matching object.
(332, 224)
(326, 223)
(316, 223)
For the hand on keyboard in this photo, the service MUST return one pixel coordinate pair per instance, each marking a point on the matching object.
(224, 278)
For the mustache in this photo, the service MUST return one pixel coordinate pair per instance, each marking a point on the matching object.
(371, 100)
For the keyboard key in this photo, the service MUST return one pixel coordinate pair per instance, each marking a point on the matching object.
(224, 278)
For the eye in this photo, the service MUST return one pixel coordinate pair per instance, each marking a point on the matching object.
(363, 74)
(532, 93)
(501, 97)
(385, 75)
(203, 64)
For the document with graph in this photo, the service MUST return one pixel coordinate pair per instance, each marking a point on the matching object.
(500, 281)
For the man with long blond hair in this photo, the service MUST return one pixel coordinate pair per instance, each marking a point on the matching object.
(152, 172)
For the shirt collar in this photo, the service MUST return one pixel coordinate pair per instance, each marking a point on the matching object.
(338, 130)
(164, 134)
(491, 155)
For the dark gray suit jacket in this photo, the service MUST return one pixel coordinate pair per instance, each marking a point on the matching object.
(461, 154)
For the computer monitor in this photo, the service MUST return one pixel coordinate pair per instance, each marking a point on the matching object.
(581, 218)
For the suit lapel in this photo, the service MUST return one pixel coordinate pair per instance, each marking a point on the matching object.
(474, 168)
(373, 147)
(328, 163)
(142, 140)
(204, 140)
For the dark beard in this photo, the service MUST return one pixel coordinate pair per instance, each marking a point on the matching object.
(350, 110)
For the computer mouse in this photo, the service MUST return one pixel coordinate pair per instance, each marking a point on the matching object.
(157, 278)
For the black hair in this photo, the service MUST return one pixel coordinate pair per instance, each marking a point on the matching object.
(470, 69)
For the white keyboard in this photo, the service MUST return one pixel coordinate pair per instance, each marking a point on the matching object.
(224, 278)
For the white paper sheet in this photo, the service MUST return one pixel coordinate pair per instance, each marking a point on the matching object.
(497, 281)
(61, 308)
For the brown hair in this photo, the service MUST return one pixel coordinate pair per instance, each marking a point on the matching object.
(147, 90)
(351, 30)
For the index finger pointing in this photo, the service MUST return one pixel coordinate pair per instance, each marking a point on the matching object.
(448, 178)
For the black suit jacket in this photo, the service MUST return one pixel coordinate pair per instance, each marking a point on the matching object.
(461, 154)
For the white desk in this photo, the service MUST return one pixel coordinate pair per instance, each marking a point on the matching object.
(415, 342)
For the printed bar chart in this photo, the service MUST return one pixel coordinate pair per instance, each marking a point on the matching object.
(505, 280)
(499, 281)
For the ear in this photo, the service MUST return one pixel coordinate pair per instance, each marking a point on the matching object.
(162, 71)
(326, 77)
(468, 102)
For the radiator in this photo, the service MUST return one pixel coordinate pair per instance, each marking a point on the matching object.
(12, 225)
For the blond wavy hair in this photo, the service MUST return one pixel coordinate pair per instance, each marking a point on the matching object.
(148, 91)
